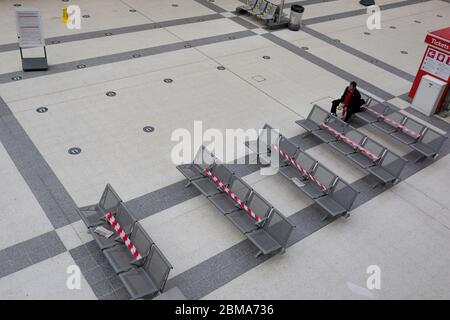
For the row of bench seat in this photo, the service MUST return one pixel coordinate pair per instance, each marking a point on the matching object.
(269, 230)
(354, 145)
(421, 138)
(329, 191)
(145, 277)
(262, 9)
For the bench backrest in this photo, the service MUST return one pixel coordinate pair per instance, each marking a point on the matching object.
(373, 147)
(270, 10)
(354, 135)
(124, 216)
(279, 227)
(336, 123)
(222, 173)
(141, 239)
(109, 201)
(318, 115)
(344, 194)
(267, 137)
(241, 189)
(395, 116)
(415, 127)
(433, 139)
(306, 161)
(379, 108)
(392, 163)
(288, 147)
(157, 267)
(261, 5)
(324, 176)
(204, 159)
(259, 205)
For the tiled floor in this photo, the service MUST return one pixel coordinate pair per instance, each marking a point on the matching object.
(268, 77)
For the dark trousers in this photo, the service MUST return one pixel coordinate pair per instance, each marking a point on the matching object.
(349, 112)
(334, 105)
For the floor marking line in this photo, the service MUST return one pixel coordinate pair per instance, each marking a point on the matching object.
(359, 54)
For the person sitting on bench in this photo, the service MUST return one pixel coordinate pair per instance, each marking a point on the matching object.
(351, 100)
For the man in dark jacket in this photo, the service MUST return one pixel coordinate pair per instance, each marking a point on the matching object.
(351, 100)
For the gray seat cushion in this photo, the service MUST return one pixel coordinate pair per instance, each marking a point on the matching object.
(312, 190)
(307, 124)
(403, 137)
(119, 258)
(243, 221)
(342, 147)
(206, 186)
(331, 206)
(423, 149)
(261, 239)
(366, 116)
(224, 203)
(361, 160)
(324, 135)
(138, 283)
(92, 218)
(384, 126)
(291, 172)
(190, 171)
(381, 174)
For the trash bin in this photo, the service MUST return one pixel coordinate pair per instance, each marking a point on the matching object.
(295, 19)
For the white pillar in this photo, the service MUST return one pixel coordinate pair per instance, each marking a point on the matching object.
(281, 10)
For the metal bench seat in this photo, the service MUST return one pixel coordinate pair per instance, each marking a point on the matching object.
(243, 221)
(274, 234)
(249, 5)
(315, 118)
(225, 203)
(148, 280)
(370, 117)
(410, 133)
(429, 143)
(386, 126)
(259, 7)
(342, 147)
(269, 13)
(340, 200)
(94, 215)
(208, 187)
(202, 160)
(126, 221)
(120, 257)
(389, 167)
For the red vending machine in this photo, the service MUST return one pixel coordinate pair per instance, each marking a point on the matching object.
(435, 63)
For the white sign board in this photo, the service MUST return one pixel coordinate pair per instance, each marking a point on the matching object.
(29, 28)
(437, 63)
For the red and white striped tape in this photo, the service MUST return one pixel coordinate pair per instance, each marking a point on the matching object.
(351, 142)
(232, 195)
(395, 123)
(299, 167)
(113, 222)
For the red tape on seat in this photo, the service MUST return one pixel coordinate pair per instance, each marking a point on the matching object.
(299, 167)
(113, 222)
(232, 195)
(351, 142)
(395, 123)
